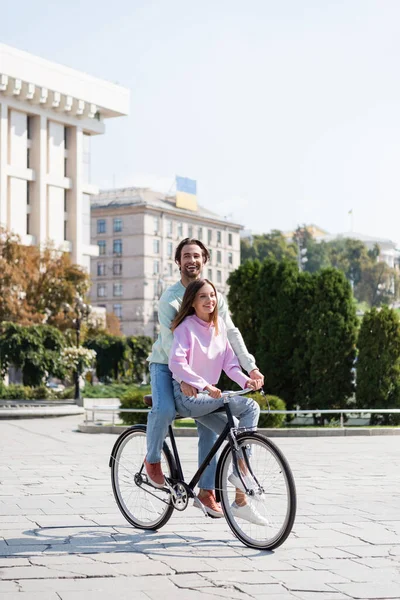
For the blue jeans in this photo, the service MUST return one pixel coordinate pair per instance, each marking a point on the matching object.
(245, 409)
(161, 416)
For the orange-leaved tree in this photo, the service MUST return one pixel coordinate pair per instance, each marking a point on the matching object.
(36, 282)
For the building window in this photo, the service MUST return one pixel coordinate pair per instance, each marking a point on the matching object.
(117, 309)
(66, 138)
(28, 224)
(219, 277)
(210, 252)
(117, 289)
(180, 231)
(29, 127)
(28, 192)
(65, 230)
(28, 158)
(229, 239)
(117, 247)
(170, 249)
(102, 247)
(219, 237)
(157, 225)
(209, 236)
(101, 269)
(117, 225)
(230, 258)
(209, 274)
(101, 290)
(65, 167)
(169, 228)
(65, 200)
(169, 269)
(156, 267)
(117, 268)
(219, 257)
(101, 223)
(156, 246)
(190, 231)
(200, 233)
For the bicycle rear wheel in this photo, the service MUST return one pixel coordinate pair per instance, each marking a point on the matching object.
(268, 520)
(144, 506)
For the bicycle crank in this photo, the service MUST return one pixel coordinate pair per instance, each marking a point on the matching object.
(179, 496)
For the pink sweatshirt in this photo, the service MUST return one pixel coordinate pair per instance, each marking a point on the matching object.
(198, 355)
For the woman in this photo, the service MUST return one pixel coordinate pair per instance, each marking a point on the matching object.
(200, 352)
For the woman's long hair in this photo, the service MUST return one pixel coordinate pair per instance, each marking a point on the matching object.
(187, 309)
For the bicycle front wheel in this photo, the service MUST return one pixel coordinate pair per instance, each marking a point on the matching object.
(264, 519)
(141, 504)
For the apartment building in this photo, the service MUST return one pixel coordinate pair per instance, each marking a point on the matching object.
(48, 114)
(137, 231)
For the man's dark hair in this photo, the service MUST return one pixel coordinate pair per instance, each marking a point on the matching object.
(188, 241)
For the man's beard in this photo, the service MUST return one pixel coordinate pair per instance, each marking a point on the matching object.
(195, 274)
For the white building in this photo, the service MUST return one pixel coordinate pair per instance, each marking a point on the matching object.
(137, 231)
(48, 114)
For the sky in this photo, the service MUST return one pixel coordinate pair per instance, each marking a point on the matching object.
(284, 111)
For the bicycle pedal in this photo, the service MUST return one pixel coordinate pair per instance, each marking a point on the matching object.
(198, 504)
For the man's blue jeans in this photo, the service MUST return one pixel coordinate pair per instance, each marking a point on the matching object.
(160, 418)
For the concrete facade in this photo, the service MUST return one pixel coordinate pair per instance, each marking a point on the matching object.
(137, 231)
(48, 114)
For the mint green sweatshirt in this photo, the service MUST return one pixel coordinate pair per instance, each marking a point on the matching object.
(169, 305)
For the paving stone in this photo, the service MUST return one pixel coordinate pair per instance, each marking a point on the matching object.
(66, 538)
(30, 596)
(370, 591)
(8, 587)
(309, 581)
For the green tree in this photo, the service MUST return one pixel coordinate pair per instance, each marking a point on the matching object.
(139, 348)
(379, 285)
(242, 300)
(110, 355)
(317, 254)
(271, 245)
(378, 364)
(350, 256)
(276, 330)
(331, 341)
(34, 349)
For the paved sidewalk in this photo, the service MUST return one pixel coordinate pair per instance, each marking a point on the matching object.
(62, 536)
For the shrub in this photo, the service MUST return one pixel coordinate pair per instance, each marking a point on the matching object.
(133, 399)
(16, 392)
(112, 390)
(41, 393)
(270, 403)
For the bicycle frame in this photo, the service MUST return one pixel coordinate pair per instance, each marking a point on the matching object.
(225, 434)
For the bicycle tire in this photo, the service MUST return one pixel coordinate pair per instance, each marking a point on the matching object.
(276, 504)
(144, 507)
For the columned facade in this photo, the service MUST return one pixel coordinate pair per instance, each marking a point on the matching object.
(48, 114)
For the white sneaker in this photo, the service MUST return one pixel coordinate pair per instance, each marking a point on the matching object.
(237, 482)
(249, 513)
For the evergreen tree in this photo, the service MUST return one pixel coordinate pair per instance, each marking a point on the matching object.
(276, 333)
(378, 365)
(242, 301)
(331, 339)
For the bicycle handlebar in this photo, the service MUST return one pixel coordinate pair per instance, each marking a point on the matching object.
(231, 394)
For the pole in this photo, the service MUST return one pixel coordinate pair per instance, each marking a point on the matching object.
(78, 397)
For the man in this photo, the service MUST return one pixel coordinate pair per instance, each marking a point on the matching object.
(191, 255)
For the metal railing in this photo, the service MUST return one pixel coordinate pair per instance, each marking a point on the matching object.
(339, 411)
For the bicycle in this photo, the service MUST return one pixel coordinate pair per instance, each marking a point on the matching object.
(263, 471)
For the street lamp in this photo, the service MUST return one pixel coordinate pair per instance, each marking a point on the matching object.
(79, 311)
